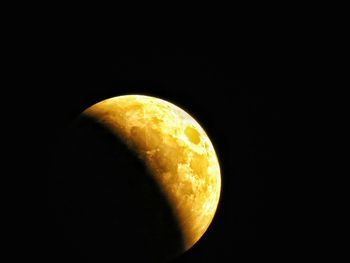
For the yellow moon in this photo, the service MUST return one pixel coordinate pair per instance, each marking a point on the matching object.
(175, 149)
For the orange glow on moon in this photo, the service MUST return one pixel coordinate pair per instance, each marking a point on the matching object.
(176, 150)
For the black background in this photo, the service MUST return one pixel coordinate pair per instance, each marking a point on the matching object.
(232, 88)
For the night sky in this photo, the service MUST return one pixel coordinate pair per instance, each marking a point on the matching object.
(230, 88)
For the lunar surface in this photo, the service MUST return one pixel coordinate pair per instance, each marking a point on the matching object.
(115, 205)
(177, 151)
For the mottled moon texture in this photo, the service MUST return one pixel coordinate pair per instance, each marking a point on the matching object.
(178, 156)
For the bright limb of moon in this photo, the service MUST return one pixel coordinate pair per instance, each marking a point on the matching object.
(176, 150)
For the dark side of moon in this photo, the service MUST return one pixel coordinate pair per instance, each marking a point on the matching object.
(108, 204)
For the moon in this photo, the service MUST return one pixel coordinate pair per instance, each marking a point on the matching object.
(176, 151)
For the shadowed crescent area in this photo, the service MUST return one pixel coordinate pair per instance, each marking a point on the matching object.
(140, 178)
(109, 205)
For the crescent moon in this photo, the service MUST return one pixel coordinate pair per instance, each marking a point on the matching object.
(175, 149)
